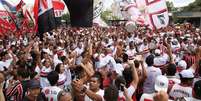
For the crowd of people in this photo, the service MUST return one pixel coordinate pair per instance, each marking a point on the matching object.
(102, 64)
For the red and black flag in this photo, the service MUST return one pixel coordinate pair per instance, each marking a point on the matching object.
(44, 15)
(58, 6)
(81, 12)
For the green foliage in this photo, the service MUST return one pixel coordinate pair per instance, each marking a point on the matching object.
(66, 17)
(108, 15)
(193, 7)
(171, 7)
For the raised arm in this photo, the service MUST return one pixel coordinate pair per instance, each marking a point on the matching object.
(134, 75)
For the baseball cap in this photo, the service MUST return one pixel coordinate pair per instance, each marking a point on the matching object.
(161, 83)
(34, 84)
(182, 64)
(186, 74)
(157, 51)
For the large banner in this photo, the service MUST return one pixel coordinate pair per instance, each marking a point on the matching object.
(153, 13)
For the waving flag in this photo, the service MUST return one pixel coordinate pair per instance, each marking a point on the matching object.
(20, 5)
(44, 16)
(155, 12)
(8, 6)
(58, 6)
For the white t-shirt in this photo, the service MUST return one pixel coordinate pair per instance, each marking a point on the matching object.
(131, 53)
(149, 83)
(5, 64)
(43, 76)
(131, 91)
(148, 97)
(174, 79)
(178, 91)
(51, 92)
(107, 60)
(100, 92)
(161, 60)
(62, 80)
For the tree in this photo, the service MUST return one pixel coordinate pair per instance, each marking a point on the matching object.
(171, 7)
(66, 17)
(193, 7)
(108, 15)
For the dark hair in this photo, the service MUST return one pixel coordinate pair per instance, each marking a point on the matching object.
(171, 69)
(137, 64)
(118, 61)
(77, 72)
(127, 74)
(197, 89)
(199, 68)
(150, 60)
(53, 77)
(57, 68)
(63, 58)
(111, 93)
(99, 77)
(23, 73)
(120, 80)
(125, 57)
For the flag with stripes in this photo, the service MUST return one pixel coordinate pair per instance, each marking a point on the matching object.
(155, 12)
(44, 16)
(7, 6)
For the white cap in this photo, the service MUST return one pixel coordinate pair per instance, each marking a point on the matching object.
(157, 51)
(161, 83)
(186, 74)
(47, 51)
(182, 64)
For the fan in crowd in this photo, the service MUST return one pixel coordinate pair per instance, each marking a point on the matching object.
(102, 64)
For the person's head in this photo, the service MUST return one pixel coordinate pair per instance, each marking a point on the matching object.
(22, 74)
(79, 45)
(131, 45)
(47, 63)
(150, 60)
(199, 69)
(95, 82)
(127, 75)
(171, 70)
(60, 68)
(64, 96)
(181, 65)
(186, 77)
(161, 83)
(3, 55)
(197, 90)
(53, 78)
(137, 63)
(34, 88)
(157, 52)
(125, 57)
(145, 41)
(120, 80)
(111, 93)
